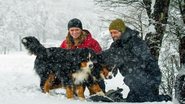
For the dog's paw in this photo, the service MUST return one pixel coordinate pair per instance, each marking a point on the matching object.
(81, 98)
(47, 94)
(101, 93)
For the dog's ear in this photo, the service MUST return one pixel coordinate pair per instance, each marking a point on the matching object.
(114, 72)
(77, 55)
(93, 56)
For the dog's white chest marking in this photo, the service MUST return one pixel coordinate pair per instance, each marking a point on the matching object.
(80, 77)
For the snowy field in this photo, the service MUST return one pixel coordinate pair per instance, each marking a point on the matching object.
(20, 85)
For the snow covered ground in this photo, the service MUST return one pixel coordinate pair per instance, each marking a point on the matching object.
(20, 85)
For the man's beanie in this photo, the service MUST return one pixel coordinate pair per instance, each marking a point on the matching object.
(117, 24)
(75, 23)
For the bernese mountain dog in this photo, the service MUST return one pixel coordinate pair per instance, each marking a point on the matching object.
(71, 69)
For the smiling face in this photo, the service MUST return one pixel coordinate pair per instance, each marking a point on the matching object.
(75, 32)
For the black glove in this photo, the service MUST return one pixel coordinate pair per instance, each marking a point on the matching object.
(116, 95)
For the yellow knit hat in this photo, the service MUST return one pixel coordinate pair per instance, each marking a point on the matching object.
(117, 24)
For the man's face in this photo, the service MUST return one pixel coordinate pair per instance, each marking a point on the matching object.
(115, 34)
(75, 32)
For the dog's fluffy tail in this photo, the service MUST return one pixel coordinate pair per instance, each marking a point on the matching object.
(33, 45)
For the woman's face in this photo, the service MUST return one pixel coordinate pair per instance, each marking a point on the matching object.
(75, 32)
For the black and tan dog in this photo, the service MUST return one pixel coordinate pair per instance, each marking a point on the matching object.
(59, 67)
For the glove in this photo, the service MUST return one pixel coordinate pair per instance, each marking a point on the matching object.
(116, 95)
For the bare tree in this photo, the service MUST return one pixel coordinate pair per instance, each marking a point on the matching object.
(181, 4)
(174, 35)
(159, 20)
(180, 30)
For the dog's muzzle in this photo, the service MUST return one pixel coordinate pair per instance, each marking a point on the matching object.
(91, 66)
(109, 76)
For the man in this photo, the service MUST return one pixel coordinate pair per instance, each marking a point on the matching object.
(130, 54)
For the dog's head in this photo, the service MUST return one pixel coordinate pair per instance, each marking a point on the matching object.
(107, 62)
(101, 71)
(86, 58)
(105, 72)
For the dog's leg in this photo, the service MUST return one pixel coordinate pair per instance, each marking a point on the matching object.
(80, 92)
(42, 83)
(48, 83)
(46, 87)
(95, 89)
(69, 92)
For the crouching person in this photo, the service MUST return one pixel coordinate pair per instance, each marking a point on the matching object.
(132, 57)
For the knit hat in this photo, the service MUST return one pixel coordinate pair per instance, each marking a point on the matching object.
(75, 23)
(117, 24)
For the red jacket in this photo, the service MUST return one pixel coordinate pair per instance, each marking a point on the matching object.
(89, 42)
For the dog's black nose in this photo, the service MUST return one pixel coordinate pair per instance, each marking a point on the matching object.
(91, 66)
(110, 77)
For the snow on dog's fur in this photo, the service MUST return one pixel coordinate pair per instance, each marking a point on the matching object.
(59, 67)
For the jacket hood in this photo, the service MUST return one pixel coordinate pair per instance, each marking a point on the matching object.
(128, 34)
(88, 33)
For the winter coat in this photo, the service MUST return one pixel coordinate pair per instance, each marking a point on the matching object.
(140, 69)
(88, 42)
(136, 56)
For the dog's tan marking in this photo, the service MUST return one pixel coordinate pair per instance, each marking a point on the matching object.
(48, 83)
(83, 64)
(94, 89)
(69, 92)
(80, 91)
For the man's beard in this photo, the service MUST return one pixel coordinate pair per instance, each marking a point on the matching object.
(115, 38)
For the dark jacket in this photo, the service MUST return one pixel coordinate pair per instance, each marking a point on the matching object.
(136, 57)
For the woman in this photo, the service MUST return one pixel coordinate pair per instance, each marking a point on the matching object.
(77, 37)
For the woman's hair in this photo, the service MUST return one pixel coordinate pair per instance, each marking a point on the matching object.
(75, 42)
